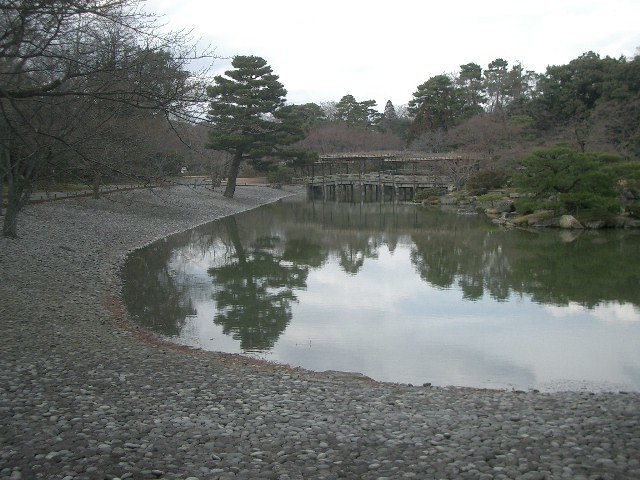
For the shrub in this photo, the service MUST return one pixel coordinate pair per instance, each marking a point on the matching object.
(633, 209)
(281, 175)
(578, 201)
(525, 206)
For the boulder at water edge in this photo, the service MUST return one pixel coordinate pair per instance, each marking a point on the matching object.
(569, 221)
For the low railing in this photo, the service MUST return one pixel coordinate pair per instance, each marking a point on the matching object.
(375, 178)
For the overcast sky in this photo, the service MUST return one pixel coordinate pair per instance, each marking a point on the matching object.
(382, 50)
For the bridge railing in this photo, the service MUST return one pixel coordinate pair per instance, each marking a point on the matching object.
(375, 178)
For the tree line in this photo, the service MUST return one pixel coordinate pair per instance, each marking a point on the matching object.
(501, 110)
(96, 90)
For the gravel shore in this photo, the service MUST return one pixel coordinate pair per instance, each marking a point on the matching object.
(84, 395)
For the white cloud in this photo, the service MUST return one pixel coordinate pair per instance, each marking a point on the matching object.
(605, 312)
(616, 312)
(381, 50)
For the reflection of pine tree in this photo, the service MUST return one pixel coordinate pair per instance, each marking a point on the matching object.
(254, 293)
(301, 250)
(436, 264)
(151, 293)
(355, 251)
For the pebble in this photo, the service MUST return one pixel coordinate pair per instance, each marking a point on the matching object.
(84, 394)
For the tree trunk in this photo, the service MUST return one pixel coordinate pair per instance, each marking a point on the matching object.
(96, 184)
(10, 224)
(19, 178)
(1, 193)
(233, 175)
(16, 199)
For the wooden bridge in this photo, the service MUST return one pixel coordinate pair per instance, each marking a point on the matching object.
(386, 174)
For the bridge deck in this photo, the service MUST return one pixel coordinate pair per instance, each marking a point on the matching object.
(386, 179)
(392, 156)
(373, 185)
(405, 173)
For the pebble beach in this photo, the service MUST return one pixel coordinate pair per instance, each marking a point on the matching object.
(85, 394)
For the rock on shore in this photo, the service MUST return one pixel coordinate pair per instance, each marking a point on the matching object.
(83, 395)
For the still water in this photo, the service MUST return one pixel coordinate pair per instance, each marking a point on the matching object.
(400, 293)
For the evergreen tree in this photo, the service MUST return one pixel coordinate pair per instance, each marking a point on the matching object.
(437, 105)
(496, 84)
(390, 112)
(355, 113)
(570, 93)
(389, 118)
(573, 180)
(248, 114)
(472, 90)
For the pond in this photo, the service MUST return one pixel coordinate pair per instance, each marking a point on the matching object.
(400, 293)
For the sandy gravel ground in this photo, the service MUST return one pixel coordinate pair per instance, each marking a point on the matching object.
(85, 395)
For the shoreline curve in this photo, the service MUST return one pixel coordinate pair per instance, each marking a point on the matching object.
(81, 397)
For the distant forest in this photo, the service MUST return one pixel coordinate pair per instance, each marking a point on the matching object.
(498, 113)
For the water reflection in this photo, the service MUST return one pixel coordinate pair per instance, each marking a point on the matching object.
(399, 293)
(152, 293)
(254, 289)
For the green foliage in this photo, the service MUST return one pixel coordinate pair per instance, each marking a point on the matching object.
(472, 90)
(633, 209)
(562, 170)
(355, 113)
(574, 89)
(496, 84)
(524, 125)
(293, 122)
(591, 102)
(578, 181)
(249, 117)
(577, 202)
(526, 205)
(281, 175)
(445, 101)
(240, 104)
(312, 113)
(571, 93)
(437, 105)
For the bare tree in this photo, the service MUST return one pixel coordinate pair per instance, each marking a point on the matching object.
(330, 110)
(339, 137)
(73, 75)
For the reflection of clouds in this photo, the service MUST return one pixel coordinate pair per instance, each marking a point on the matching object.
(382, 284)
(197, 261)
(376, 353)
(616, 312)
(564, 311)
(431, 335)
(605, 312)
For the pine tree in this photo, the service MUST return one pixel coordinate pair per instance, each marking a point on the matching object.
(244, 109)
